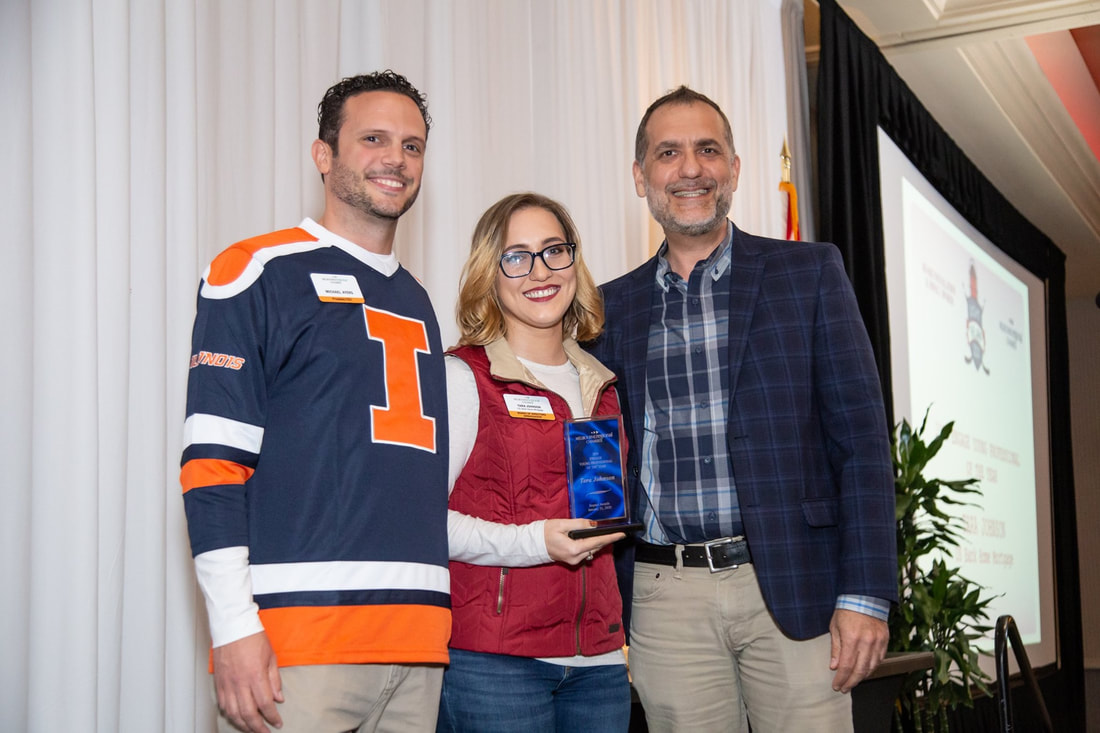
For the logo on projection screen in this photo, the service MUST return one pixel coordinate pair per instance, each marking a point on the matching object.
(975, 334)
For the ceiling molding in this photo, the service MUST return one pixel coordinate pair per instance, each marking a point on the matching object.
(954, 10)
(1013, 78)
(972, 21)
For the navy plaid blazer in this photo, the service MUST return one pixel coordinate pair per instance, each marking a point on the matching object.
(807, 431)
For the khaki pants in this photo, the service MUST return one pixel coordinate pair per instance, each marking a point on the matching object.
(365, 698)
(704, 652)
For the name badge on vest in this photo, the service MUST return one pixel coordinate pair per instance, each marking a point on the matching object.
(529, 407)
(337, 288)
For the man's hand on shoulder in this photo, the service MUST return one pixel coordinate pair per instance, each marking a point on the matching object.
(859, 644)
(246, 678)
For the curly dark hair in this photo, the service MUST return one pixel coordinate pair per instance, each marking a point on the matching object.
(330, 112)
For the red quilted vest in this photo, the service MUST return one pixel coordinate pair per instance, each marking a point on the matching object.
(517, 474)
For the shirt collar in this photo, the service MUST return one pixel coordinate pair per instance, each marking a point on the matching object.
(385, 264)
(717, 263)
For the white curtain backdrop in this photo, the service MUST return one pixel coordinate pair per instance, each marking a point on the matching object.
(140, 137)
(798, 113)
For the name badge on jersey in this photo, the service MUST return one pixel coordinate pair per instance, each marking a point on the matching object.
(530, 407)
(337, 288)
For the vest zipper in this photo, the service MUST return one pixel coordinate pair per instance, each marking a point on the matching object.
(584, 601)
(500, 593)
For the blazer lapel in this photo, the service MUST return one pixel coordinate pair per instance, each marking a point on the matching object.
(638, 302)
(746, 272)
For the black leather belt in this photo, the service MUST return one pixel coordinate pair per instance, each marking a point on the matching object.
(724, 554)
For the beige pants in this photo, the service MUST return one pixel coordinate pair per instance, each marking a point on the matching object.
(704, 652)
(365, 698)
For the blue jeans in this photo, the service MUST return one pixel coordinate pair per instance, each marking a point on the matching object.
(496, 693)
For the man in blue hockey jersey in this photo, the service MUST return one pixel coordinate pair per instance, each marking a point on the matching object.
(315, 463)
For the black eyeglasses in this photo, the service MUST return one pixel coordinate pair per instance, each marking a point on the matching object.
(519, 263)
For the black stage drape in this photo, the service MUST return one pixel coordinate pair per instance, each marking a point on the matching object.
(858, 91)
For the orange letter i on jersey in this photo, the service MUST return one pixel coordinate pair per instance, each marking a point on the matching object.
(402, 420)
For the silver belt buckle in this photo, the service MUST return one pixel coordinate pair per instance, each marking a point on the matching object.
(718, 543)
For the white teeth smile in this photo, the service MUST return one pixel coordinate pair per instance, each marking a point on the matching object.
(389, 183)
(540, 293)
(691, 194)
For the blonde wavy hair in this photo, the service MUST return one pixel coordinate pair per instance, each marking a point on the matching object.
(480, 318)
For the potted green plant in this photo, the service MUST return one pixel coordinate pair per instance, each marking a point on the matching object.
(940, 610)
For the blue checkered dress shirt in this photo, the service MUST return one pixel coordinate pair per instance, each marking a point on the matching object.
(686, 468)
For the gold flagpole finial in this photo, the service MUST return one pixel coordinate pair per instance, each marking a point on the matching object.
(785, 163)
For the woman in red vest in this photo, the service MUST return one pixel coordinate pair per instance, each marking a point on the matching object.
(537, 637)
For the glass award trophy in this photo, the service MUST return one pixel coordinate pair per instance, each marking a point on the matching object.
(596, 470)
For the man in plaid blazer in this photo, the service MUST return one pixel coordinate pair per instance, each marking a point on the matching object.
(759, 456)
